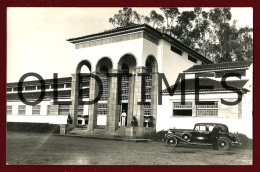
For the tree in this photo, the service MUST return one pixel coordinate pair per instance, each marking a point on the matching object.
(124, 17)
(210, 33)
(170, 15)
(156, 19)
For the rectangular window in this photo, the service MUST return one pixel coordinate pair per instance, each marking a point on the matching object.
(46, 87)
(84, 84)
(64, 109)
(9, 109)
(147, 105)
(207, 109)
(148, 83)
(36, 110)
(102, 111)
(28, 88)
(102, 105)
(182, 110)
(194, 60)
(16, 88)
(59, 86)
(147, 112)
(21, 109)
(68, 85)
(9, 89)
(176, 50)
(80, 109)
(148, 97)
(48, 109)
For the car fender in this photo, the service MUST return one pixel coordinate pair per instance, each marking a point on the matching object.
(177, 137)
(221, 137)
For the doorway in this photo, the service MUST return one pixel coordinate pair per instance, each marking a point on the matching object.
(123, 114)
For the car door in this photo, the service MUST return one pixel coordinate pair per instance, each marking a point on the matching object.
(200, 134)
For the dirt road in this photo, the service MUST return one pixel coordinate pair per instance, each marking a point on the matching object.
(35, 148)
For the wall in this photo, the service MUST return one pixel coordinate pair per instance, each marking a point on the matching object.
(43, 117)
(112, 50)
(232, 116)
(172, 63)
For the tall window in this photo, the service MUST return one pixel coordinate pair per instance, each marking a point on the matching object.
(80, 109)
(182, 110)
(102, 108)
(207, 109)
(148, 81)
(21, 109)
(124, 82)
(64, 109)
(48, 109)
(36, 110)
(9, 109)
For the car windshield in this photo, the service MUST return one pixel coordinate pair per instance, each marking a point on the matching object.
(209, 127)
(200, 127)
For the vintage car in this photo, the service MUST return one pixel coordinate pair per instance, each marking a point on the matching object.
(200, 135)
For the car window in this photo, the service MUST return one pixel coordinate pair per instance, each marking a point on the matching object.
(202, 128)
(211, 128)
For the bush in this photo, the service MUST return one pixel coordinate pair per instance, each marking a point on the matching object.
(33, 127)
(246, 142)
(159, 136)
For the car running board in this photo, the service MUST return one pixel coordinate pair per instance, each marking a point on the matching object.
(196, 143)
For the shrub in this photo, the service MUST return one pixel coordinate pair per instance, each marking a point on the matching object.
(246, 142)
(33, 127)
(159, 136)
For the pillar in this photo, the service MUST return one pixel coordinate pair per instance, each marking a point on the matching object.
(139, 109)
(113, 107)
(154, 97)
(130, 100)
(92, 109)
(74, 100)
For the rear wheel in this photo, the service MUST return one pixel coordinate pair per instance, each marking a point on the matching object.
(171, 141)
(223, 144)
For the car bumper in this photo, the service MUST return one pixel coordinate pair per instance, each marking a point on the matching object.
(236, 144)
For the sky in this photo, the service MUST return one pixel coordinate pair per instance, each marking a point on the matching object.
(36, 37)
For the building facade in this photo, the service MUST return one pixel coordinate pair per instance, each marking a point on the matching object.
(138, 54)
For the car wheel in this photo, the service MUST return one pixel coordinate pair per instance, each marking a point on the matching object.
(171, 142)
(223, 144)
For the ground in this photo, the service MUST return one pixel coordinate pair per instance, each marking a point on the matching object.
(48, 149)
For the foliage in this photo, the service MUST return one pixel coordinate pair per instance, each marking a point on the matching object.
(159, 136)
(211, 33)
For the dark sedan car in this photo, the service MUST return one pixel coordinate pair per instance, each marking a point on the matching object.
(200, 135)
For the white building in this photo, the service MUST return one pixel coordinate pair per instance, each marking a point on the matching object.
(137, 49)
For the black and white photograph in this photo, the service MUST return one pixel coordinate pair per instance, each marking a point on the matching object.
(129, 86)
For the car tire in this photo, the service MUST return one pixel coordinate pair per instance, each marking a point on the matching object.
(171, 142)
(223, 144)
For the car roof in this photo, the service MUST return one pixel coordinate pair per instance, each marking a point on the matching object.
(208, 123)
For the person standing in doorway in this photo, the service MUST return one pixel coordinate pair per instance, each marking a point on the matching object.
(123, 117)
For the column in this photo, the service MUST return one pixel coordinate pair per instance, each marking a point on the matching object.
(113, 107)
(74, 100)
(154, 97)
(92, 108)
(139, 109)
(130, 100)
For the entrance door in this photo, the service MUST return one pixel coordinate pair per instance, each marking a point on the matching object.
(123, 114)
